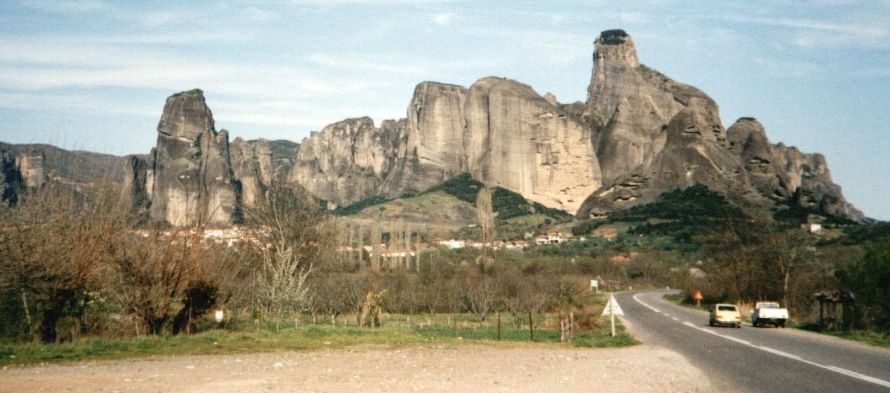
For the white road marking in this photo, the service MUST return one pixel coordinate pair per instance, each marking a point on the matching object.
(839, 370)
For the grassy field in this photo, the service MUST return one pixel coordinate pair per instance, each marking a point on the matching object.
(396, 332)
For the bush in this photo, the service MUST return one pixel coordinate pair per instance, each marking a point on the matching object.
(868, 279)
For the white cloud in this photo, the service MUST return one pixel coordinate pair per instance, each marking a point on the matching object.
(444, 19)
(76, 103)
(260, 15)
(366, 63)
(167, 17)
(64, 6)
(369, 2)
(816, 33)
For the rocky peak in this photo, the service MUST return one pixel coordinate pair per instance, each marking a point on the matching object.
(629, 106)
(615, 47)
(436, 128)
(190, 168)
(186, 115)
(747, 139)
(32, 167)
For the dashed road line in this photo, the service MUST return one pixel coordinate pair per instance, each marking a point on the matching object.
(839, 370)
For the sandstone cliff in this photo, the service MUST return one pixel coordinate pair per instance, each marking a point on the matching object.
(499, 130)
(31, 166)
(654, 134)
(194, 176)
(638, 134)
(630, 105)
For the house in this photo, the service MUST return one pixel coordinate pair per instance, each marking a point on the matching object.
(812, 227)
(516, 245)
(551, 236)
(452, 244)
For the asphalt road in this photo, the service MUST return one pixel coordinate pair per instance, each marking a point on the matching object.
(757, 359)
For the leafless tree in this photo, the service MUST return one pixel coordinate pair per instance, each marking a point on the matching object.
(481, 294)
(292, 234)
(485, 215)
(51, 247)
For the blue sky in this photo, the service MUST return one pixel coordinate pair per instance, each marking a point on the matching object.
(93, 75)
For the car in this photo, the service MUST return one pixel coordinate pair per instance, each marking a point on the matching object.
(768, 313)
(726, 315)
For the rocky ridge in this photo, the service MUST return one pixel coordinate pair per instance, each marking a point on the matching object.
(34, 166)
(499, 130)
(654, 134)
(638, 134)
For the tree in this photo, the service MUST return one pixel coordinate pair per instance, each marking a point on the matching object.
(868, 279)
(291, 235)
(158, 276)
(485, 215)
(480, 293)
(51, 248)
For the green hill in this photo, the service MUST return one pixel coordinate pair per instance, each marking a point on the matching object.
(507, 204)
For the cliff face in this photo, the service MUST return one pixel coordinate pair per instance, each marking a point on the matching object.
(638, 134)
(347, 161)
(32, 166)
(194, 175)
(810, 183)
(631, 104)
(654, 134)
(193, 180)
(524, 143)
(499, 130)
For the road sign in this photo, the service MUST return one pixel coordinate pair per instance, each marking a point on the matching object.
(595, 284)
(697, 297)
(612, 308)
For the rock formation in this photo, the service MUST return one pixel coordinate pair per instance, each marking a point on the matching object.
(654, 134)
(252, 166)
(811, 185)
(192, 177)
(748, 141)
(499, 130)
(11, 181)
(630, 105)
(638, 134)
(524, 143)
(347, 161)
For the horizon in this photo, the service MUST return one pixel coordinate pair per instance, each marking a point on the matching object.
(94, 75)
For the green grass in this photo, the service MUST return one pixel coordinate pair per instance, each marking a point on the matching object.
(394, 333)
(864, 336)
(871, 337)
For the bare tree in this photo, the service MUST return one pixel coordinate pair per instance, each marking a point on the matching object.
(51, 247)
(481, 294)
(485, 215)
(291, 234)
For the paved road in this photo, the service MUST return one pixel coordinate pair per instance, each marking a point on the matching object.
(757, 359)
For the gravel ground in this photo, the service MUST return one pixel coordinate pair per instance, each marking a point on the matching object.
(466, 368)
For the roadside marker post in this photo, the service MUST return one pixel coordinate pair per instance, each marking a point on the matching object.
(612, 309)
(612, 312)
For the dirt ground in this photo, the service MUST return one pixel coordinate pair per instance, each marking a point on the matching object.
(469, 368)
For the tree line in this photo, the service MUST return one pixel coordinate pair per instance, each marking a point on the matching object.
(74, 265)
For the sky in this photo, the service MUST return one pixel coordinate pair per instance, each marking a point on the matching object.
(94, 75)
